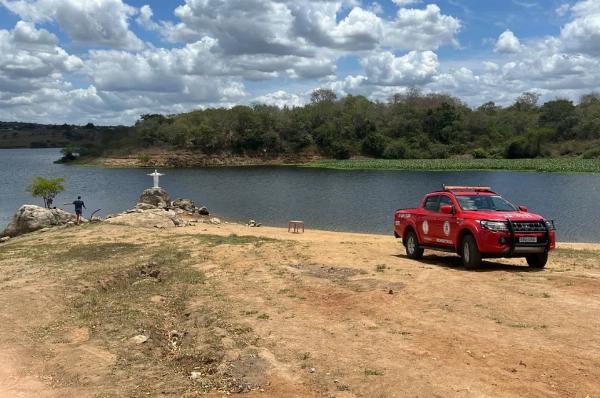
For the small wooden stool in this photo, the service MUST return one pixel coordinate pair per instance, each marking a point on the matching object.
(294, 226)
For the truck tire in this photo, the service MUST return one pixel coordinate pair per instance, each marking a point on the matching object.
(537, 260)
(413, 251)
(470, 252)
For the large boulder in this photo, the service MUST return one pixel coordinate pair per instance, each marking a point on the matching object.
(154, 218)
(156, 197)
(144, 206)
(31, 218)
(184, 204)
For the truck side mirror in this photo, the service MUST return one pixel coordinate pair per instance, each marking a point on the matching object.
(447, 209)
(524, 209)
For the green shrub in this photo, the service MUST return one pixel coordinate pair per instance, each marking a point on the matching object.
(374, 145)
(480, 153)
(46, 188)
(520, 148)
(395, 150)
(340, 151)
(593, 153)
(439, 152)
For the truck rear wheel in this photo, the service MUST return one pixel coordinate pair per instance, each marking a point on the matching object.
(413, 251)
(470, 252)
(537, 260)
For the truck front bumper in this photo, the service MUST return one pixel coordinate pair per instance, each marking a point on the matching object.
(507, 244)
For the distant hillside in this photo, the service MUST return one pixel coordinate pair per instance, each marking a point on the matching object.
(411, 125)
(33, 135)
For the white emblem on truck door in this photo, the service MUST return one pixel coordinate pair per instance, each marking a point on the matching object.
(425, 227)
(447, 228)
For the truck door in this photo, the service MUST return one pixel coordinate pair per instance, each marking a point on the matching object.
(425, 223)
(442, 224)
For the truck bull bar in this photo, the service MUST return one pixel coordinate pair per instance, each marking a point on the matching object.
(513, 240)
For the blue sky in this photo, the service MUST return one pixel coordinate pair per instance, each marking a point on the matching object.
(108, 61)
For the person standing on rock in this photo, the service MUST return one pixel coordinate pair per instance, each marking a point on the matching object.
(79, 206)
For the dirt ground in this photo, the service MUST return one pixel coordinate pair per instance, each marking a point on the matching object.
(114, 311)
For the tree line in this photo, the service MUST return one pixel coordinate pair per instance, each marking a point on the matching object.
(409, 125)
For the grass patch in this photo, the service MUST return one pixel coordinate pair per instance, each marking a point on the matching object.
(168, 255)
(373, 372)
(97, 251)
(544, 165)
(29, 250)
(577, 253)
(121, 307)
(123, 292)
(189, 276)
(233, 239)
(522, 325)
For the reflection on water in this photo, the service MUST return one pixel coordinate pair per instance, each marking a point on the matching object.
(361, 201)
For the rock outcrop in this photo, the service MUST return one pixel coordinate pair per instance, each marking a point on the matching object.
(188, 205)
(156, 197)
(31, 218)
(144, 206)
(152, 218)
(184, 204)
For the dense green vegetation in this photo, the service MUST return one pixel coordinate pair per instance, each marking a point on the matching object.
(408, 126)
(541, 164)
(33, 135)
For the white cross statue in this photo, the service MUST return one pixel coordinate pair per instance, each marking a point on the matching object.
(155, 175)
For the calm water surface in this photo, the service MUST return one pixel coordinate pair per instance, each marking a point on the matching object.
(361, 201)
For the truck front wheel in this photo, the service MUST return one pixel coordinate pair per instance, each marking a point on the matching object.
(470, 252)
(413, 251)
(537, 260)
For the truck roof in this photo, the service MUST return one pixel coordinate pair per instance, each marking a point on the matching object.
(462, 190)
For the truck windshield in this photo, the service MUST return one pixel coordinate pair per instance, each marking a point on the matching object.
(484, 202)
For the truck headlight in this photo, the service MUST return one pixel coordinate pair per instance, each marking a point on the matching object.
(494, 225)
(550, 225)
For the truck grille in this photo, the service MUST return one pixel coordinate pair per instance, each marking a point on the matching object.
(528, 226)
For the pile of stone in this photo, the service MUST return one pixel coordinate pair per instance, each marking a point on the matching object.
(155, 209)
(149, 218)
(30, 218)
(159, 198)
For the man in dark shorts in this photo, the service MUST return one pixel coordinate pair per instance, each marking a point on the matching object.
(79, 206)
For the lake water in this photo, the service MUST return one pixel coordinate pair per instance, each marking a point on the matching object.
(361, 201)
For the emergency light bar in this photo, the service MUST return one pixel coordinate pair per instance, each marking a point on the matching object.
(463, 188)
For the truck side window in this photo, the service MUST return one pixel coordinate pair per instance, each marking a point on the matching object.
(444, 200)
(432, 203)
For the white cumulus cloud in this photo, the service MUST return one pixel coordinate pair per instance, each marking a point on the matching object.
(507, 43)
(403, 3)
(280, 98)
(422, 29)
(583, 33)
(414, 68)
(103, 22)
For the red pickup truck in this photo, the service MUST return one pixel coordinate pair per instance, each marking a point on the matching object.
(475, 223)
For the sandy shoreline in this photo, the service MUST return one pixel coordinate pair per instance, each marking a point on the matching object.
(230, 308)
(232, 226)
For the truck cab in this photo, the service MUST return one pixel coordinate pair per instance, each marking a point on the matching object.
(475, 223)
